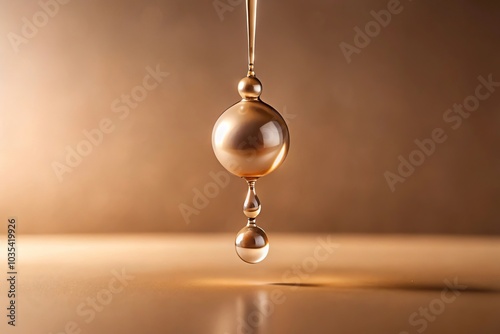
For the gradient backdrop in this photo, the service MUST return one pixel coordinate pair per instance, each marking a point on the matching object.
(68, 72)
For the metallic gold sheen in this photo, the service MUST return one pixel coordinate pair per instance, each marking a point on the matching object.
(251, 26)
(250, 139)
(249, 88)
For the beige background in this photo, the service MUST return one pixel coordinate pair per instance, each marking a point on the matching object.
(348, 122)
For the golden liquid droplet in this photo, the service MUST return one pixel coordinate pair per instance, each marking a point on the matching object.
(250, 139)
(252, 244)
(251, 207)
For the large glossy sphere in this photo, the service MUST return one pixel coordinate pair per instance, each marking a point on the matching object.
(250, 139)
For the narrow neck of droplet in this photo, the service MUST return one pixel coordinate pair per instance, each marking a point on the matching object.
(251, 25)
(251, 183)
(251, 222)
(250, 179)
(251, 72)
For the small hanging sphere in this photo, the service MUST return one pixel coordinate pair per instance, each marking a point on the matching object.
(252, 244)
(249, 88)
(250, 139)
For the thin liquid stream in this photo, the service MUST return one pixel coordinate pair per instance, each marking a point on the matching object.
(251, 26)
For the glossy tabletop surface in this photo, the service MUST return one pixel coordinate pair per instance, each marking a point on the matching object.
(308, 284)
